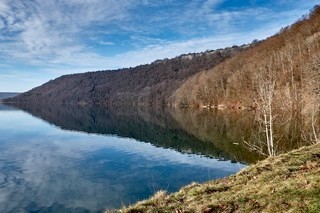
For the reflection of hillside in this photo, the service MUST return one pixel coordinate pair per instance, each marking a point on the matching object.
(225, 130)
(218, 134)
(153, 126)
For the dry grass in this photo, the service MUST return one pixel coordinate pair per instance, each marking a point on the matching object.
(287, 183)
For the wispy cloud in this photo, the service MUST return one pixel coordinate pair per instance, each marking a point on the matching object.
(107, 43)
(47, 30)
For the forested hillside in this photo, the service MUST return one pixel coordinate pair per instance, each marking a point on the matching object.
(286, 65)
(149, 84)
(278, 78)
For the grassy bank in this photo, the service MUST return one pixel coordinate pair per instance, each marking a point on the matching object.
(289, 182)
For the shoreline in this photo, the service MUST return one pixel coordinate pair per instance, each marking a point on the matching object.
(288, 182)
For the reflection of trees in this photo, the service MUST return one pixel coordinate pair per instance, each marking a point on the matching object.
(150, 125)
(224, 130)
(286, 134)
(218, 134)
(228, 130)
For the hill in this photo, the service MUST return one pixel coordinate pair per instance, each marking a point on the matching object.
(287, 183)
(149, 84)
(287, 65)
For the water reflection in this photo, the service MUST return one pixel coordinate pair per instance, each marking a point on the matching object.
(212, 135)
(224, 129)
(131, 155)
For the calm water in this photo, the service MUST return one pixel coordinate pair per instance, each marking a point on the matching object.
(79, 159)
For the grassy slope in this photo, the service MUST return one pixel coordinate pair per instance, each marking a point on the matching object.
(287, 183)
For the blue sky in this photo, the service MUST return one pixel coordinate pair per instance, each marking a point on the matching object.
(41, 40)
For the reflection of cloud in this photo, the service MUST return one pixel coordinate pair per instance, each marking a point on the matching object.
(45, 166)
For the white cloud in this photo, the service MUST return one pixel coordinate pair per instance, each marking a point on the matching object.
(164, 49)
(2, 24)
(44, 29)
(54, 32)
(107, 43)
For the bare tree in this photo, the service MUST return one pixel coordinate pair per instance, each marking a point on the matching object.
(312, 86)
(265, 79)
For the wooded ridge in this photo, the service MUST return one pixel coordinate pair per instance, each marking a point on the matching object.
(290, 59)
(150, 84)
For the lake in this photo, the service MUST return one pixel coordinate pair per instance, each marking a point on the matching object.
(89, 159)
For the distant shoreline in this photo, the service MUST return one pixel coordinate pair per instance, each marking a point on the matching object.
(4, 95)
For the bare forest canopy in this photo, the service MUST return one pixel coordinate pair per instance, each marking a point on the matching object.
(146, 85)
(289, 59)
